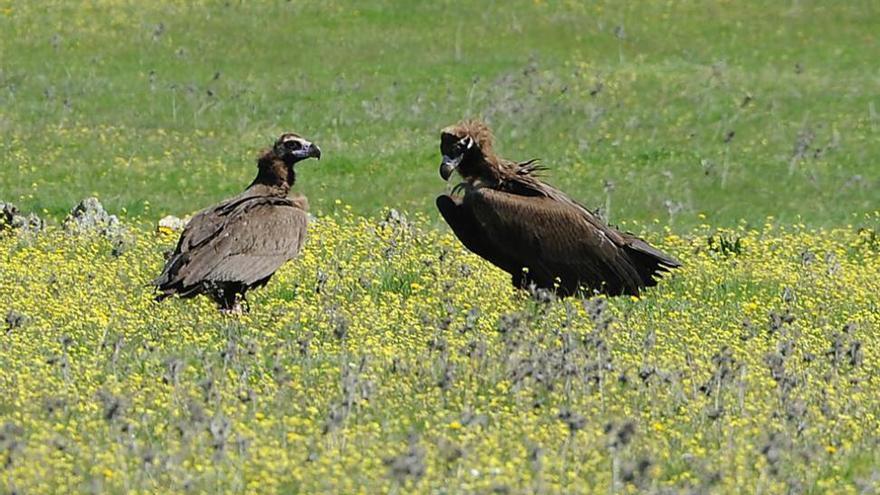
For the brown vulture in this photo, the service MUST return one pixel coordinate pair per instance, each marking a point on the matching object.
(238, 244)
(532, 230)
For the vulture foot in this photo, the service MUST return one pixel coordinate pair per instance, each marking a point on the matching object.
(237, 309)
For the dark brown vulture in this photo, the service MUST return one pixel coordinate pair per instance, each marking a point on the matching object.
(532, 230)
(238, 244)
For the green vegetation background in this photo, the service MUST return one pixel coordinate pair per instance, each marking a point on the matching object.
(652, 110)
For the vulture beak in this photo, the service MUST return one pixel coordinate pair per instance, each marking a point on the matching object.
(448, 165)
(314, 151)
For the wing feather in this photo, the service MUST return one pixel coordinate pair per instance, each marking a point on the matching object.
(242, 241)
(252, 245)
(554, 239)
(209, 222)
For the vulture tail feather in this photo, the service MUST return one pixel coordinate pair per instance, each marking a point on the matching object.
(636, 245)
(650, 263)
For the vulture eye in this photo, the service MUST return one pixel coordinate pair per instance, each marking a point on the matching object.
(294, 145)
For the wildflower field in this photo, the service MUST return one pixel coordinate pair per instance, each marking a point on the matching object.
(741, 137)
(389, 359)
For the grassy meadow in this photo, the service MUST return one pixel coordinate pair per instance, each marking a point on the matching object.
(741, 137)
(660, 110)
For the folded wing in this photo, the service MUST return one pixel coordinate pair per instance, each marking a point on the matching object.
(561, 243)
(242, 240)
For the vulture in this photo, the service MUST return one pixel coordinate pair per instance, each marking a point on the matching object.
(227, 249)
(504, 213)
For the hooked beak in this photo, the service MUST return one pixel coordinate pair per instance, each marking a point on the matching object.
(448, 165)
(313, 151)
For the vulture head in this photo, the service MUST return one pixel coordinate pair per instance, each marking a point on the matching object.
(291, 148)
(467, 148)
(275, 165)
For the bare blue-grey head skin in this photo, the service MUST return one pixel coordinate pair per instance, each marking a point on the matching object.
(292, 148)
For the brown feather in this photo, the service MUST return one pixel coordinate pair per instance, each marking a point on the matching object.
(239, 244)
(255, 240)
(514, 220)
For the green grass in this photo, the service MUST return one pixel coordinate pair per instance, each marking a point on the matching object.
(388, 359)
(372, 82)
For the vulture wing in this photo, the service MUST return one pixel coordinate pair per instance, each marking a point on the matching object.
(469, 231)
(556, 238)
(209, 222)
(243, 240)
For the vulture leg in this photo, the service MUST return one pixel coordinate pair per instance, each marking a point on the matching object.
(225, 294)
(227, 298)
(231, 298)
(245, 305)
(519, 279)
(235, 310)
(469, 232)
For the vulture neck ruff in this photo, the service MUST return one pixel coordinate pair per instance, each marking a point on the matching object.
(500, 174)
(275, 177)
(486, 169)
